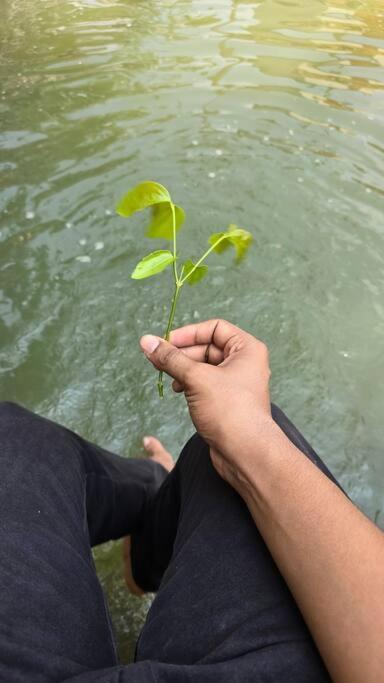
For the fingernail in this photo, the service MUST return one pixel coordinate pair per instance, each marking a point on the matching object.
(149, 343)
(146, 441)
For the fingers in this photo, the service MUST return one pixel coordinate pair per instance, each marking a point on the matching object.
(177, 387)
(216, 342)
(204, 353)
(211, 331)
(167, 357)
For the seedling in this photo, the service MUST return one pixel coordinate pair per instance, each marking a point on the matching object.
(167, 219)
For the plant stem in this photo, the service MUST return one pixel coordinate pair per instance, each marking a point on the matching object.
(178, 285)
(174, 243)
(204, 256)
(172, 312)
(160, 385)
(179, 281)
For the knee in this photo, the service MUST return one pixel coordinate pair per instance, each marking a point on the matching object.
(195, 453)
(29, 438)
(15, 431)
(16, 423)
(9, 412)
(194, 446)
(20, 426)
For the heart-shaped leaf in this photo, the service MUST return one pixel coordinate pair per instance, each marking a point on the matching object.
(143, 195)
(152, 264)
(236, 237)
(241, 239)
(161, 223)
(219, 242)
(196, 275)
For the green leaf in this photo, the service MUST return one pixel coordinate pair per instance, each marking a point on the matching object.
(161, 223)
(152, 264)
(240, 239)
(143, 195)
(221, 246)
(197, 274)
(236, 237)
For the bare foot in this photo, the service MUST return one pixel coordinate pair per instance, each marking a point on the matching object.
(128, 576)
(157, 453)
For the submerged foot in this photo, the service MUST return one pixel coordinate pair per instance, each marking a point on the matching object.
(156, 452)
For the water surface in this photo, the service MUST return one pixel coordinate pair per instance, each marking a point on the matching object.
(266, 114)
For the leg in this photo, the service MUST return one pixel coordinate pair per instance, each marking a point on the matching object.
(223, 610)
(58, 493)
(299, 441)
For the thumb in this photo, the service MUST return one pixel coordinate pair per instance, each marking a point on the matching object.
(167, 357)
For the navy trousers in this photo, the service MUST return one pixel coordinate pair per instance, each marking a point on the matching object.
(222, 611)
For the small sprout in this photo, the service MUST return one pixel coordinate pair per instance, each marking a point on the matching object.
(167, 219)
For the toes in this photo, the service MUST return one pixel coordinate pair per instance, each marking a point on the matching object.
(157, 452)
(153, 446)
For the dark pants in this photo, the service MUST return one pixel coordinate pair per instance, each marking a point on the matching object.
(222, 611)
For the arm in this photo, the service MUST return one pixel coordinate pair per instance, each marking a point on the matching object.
(330, 554)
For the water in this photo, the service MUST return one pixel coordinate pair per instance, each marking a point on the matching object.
(266, 114)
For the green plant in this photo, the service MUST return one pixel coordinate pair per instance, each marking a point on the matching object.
(167, 219)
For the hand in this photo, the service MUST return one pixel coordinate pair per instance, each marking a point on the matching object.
(224, 374)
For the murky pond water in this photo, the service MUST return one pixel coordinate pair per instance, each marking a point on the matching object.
(268, 114)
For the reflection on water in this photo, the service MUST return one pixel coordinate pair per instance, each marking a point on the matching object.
(269, 113)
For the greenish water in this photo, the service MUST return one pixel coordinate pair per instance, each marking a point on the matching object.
(267, 114)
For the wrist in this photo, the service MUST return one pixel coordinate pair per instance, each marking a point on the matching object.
(257, 456)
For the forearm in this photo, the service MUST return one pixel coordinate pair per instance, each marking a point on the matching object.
(330, 554)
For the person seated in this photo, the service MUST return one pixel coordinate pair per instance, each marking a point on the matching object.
(264, 570)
